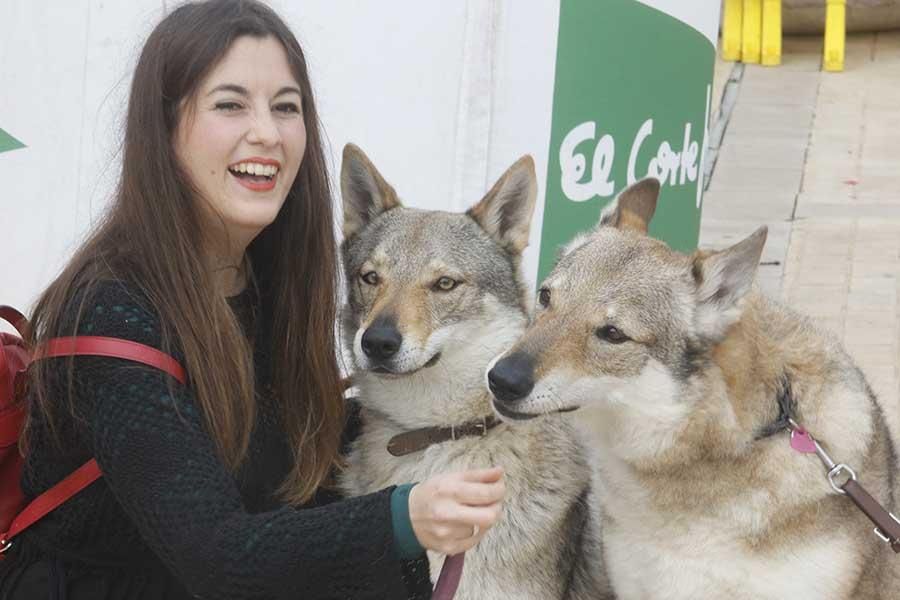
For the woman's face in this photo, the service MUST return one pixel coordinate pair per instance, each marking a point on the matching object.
(242, 138)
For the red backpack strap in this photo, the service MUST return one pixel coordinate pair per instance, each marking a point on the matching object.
(76, 481)
(86, 345)
(90, 471)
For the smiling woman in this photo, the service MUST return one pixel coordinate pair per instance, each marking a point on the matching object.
(218, 250)
(242, 140)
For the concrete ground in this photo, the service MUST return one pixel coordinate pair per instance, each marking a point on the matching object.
(816, 157)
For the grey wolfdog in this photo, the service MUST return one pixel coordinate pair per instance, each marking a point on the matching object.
(695, 381)
(432, 297)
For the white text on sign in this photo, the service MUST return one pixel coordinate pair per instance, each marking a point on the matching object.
(670, 167)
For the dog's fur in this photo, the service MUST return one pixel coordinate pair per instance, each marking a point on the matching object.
(701, 497)
(545, 538)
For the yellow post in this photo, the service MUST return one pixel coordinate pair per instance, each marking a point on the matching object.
(771, 32)
(835, 35)
(752, 23)
(731, 29)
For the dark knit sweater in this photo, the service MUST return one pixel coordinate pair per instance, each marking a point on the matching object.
(167, 520)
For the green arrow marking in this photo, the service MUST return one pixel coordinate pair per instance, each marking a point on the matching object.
(8, 142)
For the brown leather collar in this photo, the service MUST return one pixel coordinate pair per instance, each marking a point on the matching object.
(419, 439)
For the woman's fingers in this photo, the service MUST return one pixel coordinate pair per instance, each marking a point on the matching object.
(460, 546)
(480, 494)
(455, 532)
(483, 517)
(483, 475)
(463, 540)
(450, 513)
(464, 521)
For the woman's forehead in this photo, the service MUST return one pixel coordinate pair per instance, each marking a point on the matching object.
(252, 63)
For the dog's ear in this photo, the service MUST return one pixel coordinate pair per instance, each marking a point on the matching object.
(505, 211)
(723, 280)
(633, 208)
(364, 191)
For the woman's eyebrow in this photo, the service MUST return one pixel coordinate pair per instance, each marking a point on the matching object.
(229, 87)
(288, 90)
(238, 89)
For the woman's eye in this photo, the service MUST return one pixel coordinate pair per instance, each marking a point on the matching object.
(370, 277)
(445, 284)
(544, 297)
(611, 334)
(228, 106)
(288, 108)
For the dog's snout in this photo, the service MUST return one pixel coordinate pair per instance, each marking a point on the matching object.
(381, 341)
(512, 378)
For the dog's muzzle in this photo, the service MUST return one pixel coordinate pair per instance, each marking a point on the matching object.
(511, 380)
(381, 341)
(384, 370)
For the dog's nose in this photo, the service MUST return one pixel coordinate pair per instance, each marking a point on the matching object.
(512, 378)
(381, 341)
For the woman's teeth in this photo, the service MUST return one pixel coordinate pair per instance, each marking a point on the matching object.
(254, 169)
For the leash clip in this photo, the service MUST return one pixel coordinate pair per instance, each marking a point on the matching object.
(835, 472)
(834, 469)
(887, 525)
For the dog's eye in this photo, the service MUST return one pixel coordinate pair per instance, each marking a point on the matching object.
(370, 277)
(444, 284)
(544, 297)
(612, 335)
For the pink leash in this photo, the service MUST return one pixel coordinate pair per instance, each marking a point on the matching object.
(449, 578)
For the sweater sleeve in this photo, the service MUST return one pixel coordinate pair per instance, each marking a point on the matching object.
(162, 467)
(405, 540)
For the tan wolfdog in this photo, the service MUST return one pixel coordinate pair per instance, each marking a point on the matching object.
(694, 382)
(432, 297)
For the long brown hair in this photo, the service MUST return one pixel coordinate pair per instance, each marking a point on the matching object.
(151, 237)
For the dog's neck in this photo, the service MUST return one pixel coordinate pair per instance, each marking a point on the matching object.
(406, 405)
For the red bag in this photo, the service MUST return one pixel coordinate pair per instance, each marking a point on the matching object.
(14, 360)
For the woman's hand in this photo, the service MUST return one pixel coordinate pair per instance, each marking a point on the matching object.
(451, 513)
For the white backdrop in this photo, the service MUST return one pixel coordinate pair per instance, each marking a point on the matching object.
(443, 96)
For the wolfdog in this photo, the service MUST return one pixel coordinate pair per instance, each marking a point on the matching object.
(432, 297)
(700, 389)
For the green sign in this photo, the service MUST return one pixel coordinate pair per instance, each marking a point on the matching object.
(8, 142)
(631, 99)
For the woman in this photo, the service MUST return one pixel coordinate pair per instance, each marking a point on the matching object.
(218, 250)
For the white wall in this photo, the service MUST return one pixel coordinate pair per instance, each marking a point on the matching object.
(443, 96)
